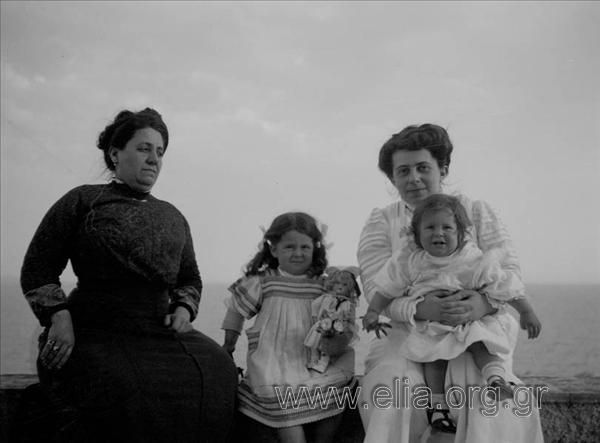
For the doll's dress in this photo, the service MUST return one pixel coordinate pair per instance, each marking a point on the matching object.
(327, 306)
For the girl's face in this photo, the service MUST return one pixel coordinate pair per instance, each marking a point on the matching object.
(438, 233)
(294, 251)
(138, 163)
(416, 175)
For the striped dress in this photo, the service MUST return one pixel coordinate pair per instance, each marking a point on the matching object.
(277, 378)
(383, 234)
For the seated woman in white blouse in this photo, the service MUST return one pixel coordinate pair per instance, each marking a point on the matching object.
(416, 160)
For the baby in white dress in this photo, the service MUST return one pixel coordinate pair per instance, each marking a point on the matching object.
(443, 258)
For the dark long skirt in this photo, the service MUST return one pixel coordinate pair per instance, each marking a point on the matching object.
(132, 379)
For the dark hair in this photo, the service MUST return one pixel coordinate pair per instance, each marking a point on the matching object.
(428, 136)
(436, 202)
(284, 223)
(123, 128)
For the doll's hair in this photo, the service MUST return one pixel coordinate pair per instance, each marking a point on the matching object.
(281, 225)
(441, 202)
(335, 275)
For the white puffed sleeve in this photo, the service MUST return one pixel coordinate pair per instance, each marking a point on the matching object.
(491, 234)
(393, 279)
(374, 251)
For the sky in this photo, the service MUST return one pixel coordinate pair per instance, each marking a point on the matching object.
(277, 106)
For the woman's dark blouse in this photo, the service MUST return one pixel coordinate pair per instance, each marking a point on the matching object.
(114, 236)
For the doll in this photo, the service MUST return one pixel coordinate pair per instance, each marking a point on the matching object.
(333, 313)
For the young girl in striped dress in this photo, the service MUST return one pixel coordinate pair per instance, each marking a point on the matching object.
(277, 288)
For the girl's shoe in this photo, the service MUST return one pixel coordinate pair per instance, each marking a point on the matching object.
(443, 423)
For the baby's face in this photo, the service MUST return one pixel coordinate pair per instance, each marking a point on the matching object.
(438, 233)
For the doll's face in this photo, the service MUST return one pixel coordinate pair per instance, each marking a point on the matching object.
(341, 286)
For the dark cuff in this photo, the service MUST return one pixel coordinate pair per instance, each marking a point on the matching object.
(183, 305)
(46, 317)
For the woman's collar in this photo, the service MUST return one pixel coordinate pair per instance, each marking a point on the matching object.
(128, 190)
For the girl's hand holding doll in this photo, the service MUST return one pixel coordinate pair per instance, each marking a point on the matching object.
(336, 344)
(335, 336)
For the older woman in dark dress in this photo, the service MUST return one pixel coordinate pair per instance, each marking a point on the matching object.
(119, 359)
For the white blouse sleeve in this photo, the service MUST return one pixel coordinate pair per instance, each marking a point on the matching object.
(374, 251)
(393, 279)
(491, 234)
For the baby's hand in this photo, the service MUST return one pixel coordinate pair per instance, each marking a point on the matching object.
(371, 322)
(531, 324)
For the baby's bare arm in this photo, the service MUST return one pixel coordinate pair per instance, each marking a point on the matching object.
(521, 305)
(528, 319)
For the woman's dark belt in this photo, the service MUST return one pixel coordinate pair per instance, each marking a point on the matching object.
(101, 304)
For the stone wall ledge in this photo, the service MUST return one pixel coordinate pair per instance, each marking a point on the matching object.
(570, 410)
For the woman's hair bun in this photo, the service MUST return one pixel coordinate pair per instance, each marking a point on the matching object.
(106, 136)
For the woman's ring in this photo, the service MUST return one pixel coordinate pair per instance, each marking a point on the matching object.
(55, 348)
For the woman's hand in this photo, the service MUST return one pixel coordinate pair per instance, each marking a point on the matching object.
(465, 306)
(60, 341)
(430, 308)
(179, 320)
(453, 309)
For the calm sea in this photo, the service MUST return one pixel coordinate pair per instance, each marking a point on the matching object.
(568, 346)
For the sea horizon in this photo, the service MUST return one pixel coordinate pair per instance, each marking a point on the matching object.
(566, 347)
